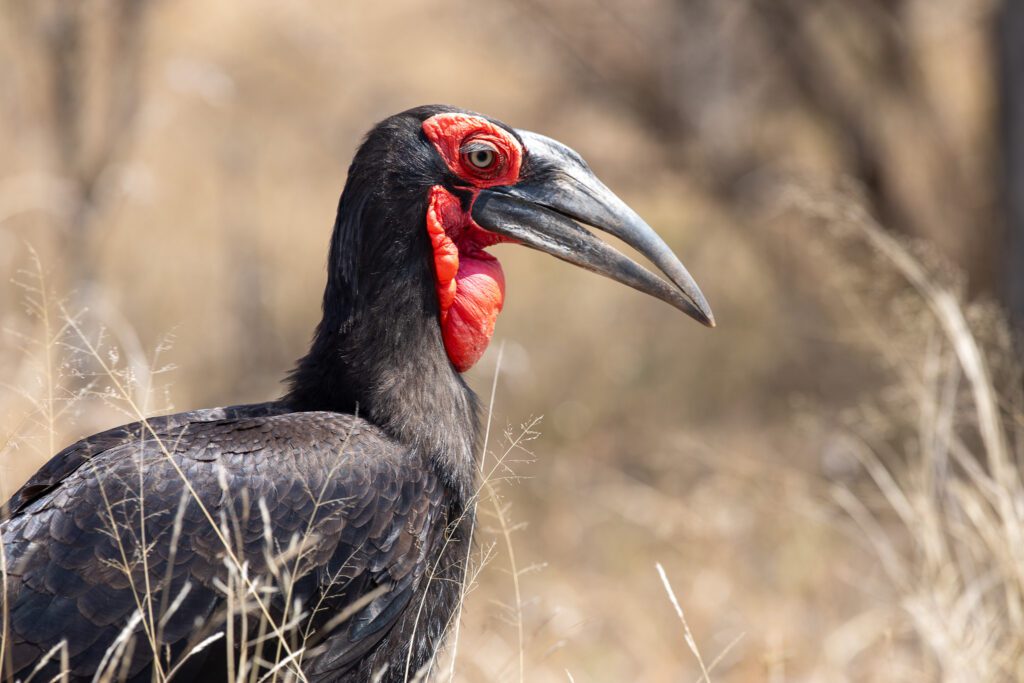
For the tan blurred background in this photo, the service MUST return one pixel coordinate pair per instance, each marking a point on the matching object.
(174, 166)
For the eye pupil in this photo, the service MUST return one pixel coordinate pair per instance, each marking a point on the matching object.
(481, 158)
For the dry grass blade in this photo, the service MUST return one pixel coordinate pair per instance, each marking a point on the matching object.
(517, 605)
(720, 657)
(198, 649)
(60, 649)
(948, 524)
(457, 618)
(690, 642)
(126, 395)
(347, 613)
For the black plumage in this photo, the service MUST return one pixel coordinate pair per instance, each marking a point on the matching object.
(391, 483)
(347, 507)
(327, 530)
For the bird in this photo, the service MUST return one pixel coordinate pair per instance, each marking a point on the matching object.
(322, 536)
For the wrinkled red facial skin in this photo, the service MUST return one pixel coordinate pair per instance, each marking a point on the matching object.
(451, 132)
(470, 282)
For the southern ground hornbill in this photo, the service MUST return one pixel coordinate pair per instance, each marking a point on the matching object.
(325, 533)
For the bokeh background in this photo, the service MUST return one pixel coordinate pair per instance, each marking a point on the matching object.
(169, 171)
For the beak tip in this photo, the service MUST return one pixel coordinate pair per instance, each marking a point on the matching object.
(700, 310)
(705, 317)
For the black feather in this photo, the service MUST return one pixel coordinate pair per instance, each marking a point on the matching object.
(369, 455)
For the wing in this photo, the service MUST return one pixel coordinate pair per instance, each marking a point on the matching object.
(74, 456)
(157, 543)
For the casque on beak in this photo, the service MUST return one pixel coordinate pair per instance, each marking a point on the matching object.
(558, 189)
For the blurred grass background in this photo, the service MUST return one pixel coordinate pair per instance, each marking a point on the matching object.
(174, 166)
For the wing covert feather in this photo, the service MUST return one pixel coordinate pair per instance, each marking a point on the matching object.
(348, 510)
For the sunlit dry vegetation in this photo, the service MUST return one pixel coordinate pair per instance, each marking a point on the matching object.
(826, 488)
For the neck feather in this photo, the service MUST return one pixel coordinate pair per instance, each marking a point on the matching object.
(378, 351)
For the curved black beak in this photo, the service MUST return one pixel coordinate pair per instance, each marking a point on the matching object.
(559, 189)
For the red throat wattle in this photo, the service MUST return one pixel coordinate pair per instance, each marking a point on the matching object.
(470, 283)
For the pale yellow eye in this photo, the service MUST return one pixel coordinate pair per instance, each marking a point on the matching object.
(482, 158)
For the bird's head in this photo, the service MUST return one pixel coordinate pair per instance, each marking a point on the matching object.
(462, 183)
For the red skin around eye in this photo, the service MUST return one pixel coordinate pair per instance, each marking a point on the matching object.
(449, 132)
(470, 283)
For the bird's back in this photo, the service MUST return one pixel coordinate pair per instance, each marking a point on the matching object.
(155, 537)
